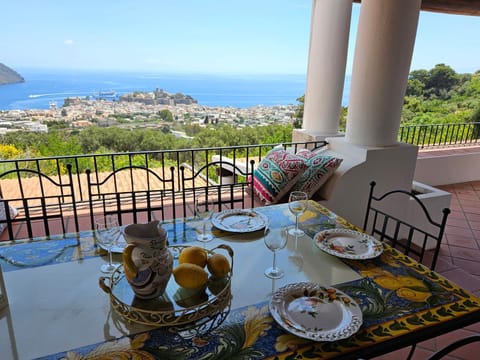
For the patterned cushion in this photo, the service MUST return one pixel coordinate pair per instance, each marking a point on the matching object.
(320, 168)
(276, 174)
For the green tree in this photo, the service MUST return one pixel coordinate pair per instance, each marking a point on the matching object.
(442, 78)
(297, 124)
(166, 115)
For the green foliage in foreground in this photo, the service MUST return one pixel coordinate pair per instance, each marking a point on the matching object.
(435, 96)
(100, 140)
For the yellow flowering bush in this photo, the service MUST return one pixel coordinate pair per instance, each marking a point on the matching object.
(9, 151)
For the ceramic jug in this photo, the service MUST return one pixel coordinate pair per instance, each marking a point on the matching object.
(147, 261)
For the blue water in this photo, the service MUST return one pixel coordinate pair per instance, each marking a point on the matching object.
(41, 87)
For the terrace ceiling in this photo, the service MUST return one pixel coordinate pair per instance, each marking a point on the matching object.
(458, 7)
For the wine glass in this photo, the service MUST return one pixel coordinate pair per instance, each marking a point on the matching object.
(106, 232)
(275, 242)
(204, 212)
(297, 203)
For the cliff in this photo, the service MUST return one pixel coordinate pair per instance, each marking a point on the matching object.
(9, 76)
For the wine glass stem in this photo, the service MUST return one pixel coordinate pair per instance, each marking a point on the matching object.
(296, 224)
(109, 256)
(274, 267)
(204, 229)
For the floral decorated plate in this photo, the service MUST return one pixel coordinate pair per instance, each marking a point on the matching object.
(315, 312)
(239, 220)
(348, 244)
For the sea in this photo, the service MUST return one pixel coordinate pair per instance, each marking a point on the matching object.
(43, 88)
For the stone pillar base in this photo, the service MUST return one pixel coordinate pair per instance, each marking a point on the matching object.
(303, 135)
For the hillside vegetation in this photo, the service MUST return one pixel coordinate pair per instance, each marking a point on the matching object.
(441, 96)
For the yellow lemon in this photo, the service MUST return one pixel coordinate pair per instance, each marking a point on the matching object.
(193, 255)
(128, 265)
(218, 265)
(190, 276)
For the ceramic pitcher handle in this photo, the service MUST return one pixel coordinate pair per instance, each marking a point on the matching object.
(128, 265)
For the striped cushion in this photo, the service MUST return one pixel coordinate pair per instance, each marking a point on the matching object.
(276, 174)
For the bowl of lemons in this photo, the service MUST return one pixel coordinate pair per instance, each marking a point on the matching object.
(200, 287)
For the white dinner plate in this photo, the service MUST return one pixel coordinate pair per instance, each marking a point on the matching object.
(315, 312)
(348, 244)
(239, 220)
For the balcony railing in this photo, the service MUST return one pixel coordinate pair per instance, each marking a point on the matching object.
(76, 182)
(433, 135)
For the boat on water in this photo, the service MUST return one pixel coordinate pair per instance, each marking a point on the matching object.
(106, 94)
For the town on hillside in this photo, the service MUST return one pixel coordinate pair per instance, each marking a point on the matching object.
(140, 110)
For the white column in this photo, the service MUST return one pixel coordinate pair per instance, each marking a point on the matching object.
(383, 52)
(329, 32)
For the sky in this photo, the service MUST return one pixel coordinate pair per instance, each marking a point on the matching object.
(199, 36)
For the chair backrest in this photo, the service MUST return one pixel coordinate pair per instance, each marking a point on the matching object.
(134, 194)
(35, 204)
(209, 182)
(421, 242)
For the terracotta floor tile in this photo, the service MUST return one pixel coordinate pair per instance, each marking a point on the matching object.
(457, 214)
(467, 196)
(466, 203)
(463, 223)
(463, 279)
(472, 217)
(444, 264)
(475, 328)
(471, 210)
(469, 352)
(461, 241)
(458, 231)
(475, 225)
(456, 207)
(428, 345)
(467, 253)
(421, 354)
(476, 234)
(471, 266)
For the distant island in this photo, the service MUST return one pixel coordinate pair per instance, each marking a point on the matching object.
(9, 76)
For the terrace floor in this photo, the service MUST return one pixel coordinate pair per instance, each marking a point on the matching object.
(459, 261)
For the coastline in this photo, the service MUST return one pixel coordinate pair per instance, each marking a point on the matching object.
(238, 91)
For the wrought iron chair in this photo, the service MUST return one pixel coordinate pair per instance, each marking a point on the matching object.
(44, 205)
(132, 193)
(209, 182)
(440, 354)
(412, 240)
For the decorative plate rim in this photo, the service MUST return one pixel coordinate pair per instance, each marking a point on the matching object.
(376, 247)
(279, 299)
(217, 220)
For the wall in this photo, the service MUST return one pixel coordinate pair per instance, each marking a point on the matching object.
(448, 169)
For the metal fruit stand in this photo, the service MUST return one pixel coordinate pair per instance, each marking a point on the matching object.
(177, 306)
